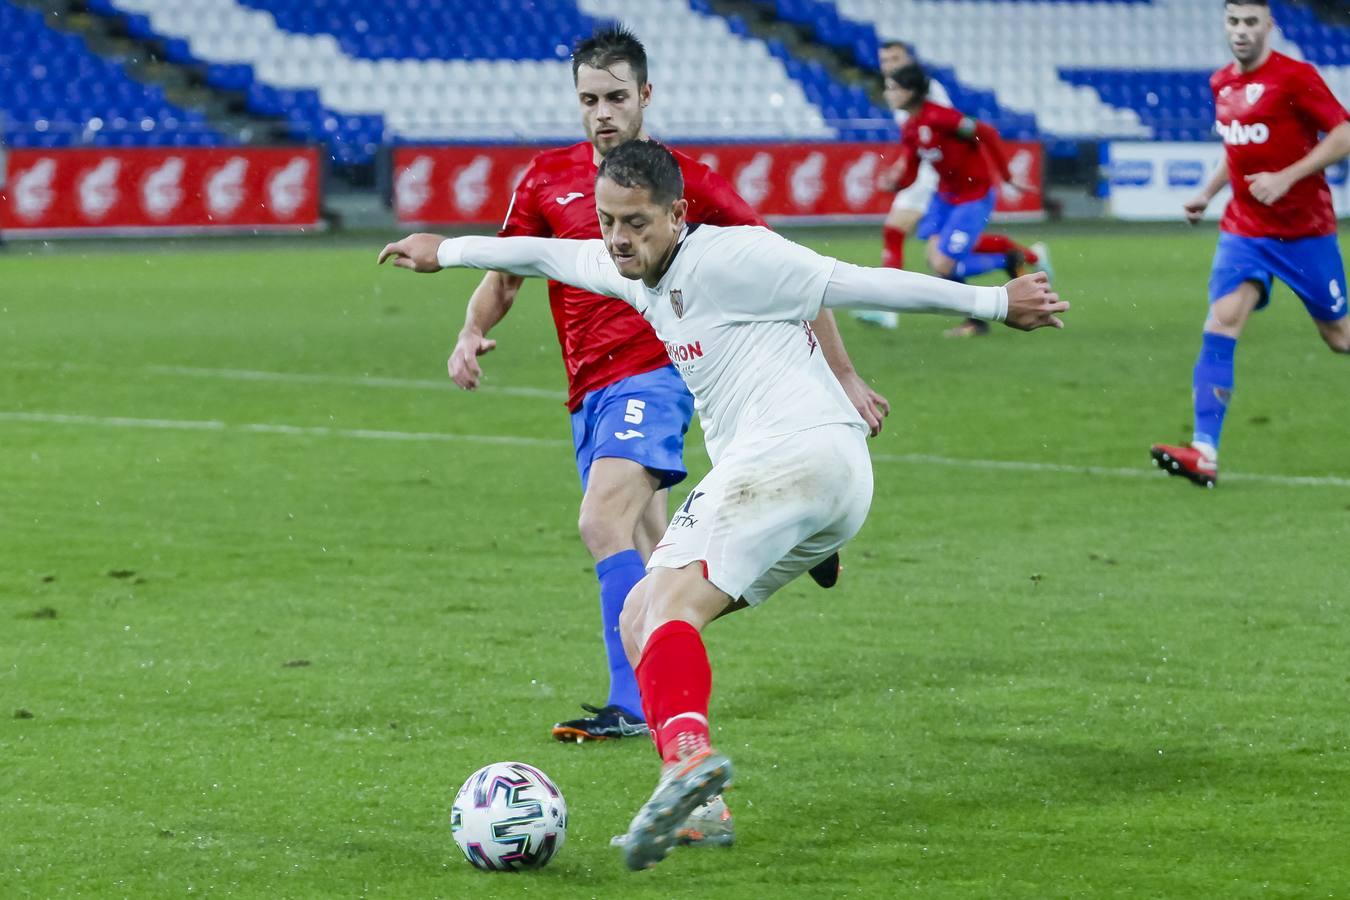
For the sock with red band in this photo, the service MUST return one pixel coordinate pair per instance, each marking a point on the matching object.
(676, 682)
(892, 248)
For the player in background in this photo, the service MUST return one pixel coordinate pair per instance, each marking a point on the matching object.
(791, 480)
(913, 202)
(965, 153)
(1270, 111)
(629, 408)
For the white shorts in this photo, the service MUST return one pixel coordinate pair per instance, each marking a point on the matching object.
(918, 195)
(771, 509)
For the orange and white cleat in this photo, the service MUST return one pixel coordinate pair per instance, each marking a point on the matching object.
(1194, 465)
(684, 786)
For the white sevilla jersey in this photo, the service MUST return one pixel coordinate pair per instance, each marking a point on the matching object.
(734, 310)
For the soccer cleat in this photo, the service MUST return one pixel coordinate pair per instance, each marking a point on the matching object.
(826, 572)
(968, 328)
(606, 724)
(709, 825)
(1015, 263)
(1043, 260)
(879, 318)
(684, 786)
(1187, 462)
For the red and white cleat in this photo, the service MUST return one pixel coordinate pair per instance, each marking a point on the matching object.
(1188, 462)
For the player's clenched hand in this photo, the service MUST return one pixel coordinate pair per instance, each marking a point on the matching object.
(873, 407)
(1268, 187)
(416, 252)
(1032, 304)
(463, 362)
(1195, 208)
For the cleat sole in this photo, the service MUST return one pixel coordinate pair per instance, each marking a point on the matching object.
(1172, 466)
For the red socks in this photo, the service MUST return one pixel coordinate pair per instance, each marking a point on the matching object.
(892, 248)
(1001, 243)
(676, 682)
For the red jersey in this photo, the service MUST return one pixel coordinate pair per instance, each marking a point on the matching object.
(1269, 119)
(603, 339)
(956, 146)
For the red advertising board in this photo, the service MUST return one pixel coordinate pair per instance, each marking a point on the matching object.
(472, 184)
(110, 191)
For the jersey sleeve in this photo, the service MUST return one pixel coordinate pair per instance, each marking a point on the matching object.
(757, 275)
(582, 264)
(713, 200)
(1315, 102)
(944, 119)
(523, 218)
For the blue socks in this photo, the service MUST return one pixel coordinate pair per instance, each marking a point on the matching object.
(979, 263)
(618, 574)
(1213, 386)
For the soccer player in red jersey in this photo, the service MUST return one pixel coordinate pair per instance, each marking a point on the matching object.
(630, 409)
(911, 204)
(966, 154)
(1281, 127)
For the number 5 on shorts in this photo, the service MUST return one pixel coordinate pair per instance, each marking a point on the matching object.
(634, 414)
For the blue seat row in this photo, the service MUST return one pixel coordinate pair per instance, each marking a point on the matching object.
(56, 92)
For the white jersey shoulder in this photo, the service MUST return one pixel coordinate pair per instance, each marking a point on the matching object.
(734, 311)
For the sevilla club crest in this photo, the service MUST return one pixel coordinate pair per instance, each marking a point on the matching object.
(677, 303)
(1254, 92)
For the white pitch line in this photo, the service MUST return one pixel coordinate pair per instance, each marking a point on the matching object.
(1102, 471)
(350, 380)
(447, 438)
(377, 381)
(266, 428)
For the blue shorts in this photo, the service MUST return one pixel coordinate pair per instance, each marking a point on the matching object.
(1311, 267)
(642, 418)
(957, 225)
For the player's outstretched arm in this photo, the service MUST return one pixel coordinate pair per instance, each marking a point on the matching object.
(582, 264)
(1024, 303)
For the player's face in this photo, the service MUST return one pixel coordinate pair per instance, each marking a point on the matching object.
(611, 105)
(639, 234)
(892, 58)
(898, 97)
(1248, 28)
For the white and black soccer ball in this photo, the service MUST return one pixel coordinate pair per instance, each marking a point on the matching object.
(509, 816)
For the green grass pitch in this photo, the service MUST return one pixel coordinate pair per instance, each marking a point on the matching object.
(270, 588)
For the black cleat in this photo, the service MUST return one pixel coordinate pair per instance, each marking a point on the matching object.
(826, 572)
(1015, 263)
(606, 724)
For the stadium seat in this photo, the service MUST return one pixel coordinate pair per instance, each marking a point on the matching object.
(56, 92)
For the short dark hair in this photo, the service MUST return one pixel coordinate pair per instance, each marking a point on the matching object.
(644, 164)
(891, 45)
(912, 78)
(1228, 3)
(608, 47)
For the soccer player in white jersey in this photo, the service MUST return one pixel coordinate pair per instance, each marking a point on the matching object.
(911, 204)
(791, 480)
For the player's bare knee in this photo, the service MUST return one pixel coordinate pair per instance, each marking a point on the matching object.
(1338, 341)
(600, 532)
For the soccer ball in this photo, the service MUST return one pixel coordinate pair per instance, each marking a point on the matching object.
(509, 816)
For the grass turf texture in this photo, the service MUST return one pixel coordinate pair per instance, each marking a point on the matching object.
(258, 663)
